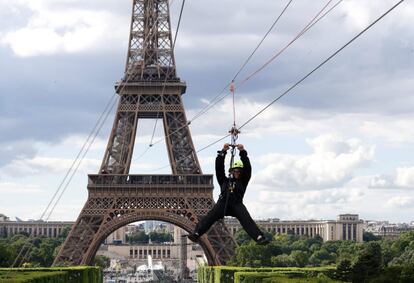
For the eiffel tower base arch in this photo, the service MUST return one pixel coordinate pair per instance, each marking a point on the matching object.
(117, 200)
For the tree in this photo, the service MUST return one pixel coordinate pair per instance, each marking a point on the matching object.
(344, 270)
(318, 256)
(369, 262)
(241, 237)
(368, 237)
(5, 255)
(398, 246)
(300, 245)
(101, 261)
(65, 232)
(300, 258)
(282, 261)
(407, 273)
(253, 255)
(331, 246)
(160, 237)
(138, 238)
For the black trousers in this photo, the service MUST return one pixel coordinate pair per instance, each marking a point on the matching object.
(235, 209)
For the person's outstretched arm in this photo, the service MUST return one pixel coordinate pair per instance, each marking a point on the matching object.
(247, 168)
(220, 171)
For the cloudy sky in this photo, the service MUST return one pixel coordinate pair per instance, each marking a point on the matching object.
(341, 142)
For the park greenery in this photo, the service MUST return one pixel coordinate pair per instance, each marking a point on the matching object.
(376, 259)
(40, 251)
(35, 251)
(155, 237)
(84, 274)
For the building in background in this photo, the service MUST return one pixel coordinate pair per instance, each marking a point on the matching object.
(51, 229)
(386, 229)
(347, 227)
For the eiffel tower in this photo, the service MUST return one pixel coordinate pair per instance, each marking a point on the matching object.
(150, 89)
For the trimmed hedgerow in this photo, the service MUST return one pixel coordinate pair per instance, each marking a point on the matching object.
(226, 274)
(277, 277)
(79, 274)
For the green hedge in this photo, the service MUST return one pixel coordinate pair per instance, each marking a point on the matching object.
(277, 277)
(226, 274)
(79, 274)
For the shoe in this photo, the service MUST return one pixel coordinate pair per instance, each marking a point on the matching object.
(193, 237)
(262, 240)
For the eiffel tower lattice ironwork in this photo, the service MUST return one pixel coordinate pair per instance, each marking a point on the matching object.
(150, 89)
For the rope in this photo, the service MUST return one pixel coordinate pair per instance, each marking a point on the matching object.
(261, 41)
(321, 64)
(211, 104)
(284, 48)
(87, 144)
(234, 104)
(179, 22)
(302, 79)
(306, 29)
(202, 112)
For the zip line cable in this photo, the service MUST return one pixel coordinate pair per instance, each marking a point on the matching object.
(79, 163)
(120, 88)
(200, 150)
(71, 177)
(300, 34)
(321, 64)
(202, 111)
(306, 28)
(303, 78)
(85, 145)
(245, 63)
(261, 41)
(178, 24)
(211, 104)
(72, 170)
(247, 59)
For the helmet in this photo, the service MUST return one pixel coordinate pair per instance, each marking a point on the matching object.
(237, 164)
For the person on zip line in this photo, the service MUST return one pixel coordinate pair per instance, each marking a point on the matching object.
(230, 202)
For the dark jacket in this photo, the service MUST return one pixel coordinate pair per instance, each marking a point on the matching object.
(225, 183)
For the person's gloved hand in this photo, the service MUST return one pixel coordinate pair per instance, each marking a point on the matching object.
(226, 147)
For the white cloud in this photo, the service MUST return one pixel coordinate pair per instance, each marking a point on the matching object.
(392, 129)
(10, 188)
(78, 141)
(305, 204)
(400, 201)
(28, 158)
(48, 165)
(361, 13)
(16, 150)
(402, 178)
(332, 164)
(64, 29)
